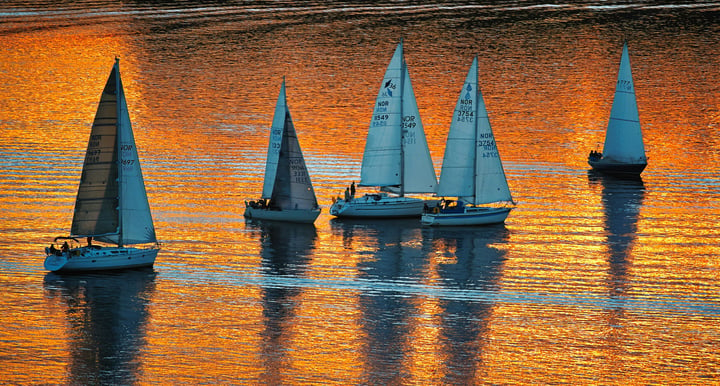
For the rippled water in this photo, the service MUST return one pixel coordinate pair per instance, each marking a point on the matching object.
(591, 279)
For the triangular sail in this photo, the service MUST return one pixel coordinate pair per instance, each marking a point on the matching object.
(381, 159)
(623, 140)
(111, 203)
(276, 136)
(136, 223)
(472, 169)
(419, 173)
(96, 205)
(292, 188)
(396, 154)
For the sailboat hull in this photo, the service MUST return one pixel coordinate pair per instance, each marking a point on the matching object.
(297, 215)
(617, 168)
(378, 206)
(468, 216)
(86, 259)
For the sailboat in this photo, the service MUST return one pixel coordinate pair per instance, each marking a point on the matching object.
(396, 158)
(624, 151)
(472, 170)
(111, 205)
(287, 193)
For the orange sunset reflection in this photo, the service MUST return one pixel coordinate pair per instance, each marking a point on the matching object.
(590, 279)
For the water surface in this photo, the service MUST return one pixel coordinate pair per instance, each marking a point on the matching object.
(590, 280)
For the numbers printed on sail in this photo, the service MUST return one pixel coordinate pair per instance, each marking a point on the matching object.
(92, 156)
(408, 122)
(486, 144)
(624, 84)
(380, 120)
(408, 137)
(298, 172)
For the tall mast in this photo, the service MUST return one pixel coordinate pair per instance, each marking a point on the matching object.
(403, 67)
(118, 141)
(476, 86)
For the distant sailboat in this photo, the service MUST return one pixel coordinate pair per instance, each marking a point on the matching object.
(111, 205)
(396, 157)
(287, 193)
(472, 170)
(624, 151)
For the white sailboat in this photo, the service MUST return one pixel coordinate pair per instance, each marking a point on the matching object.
(111, 205)
(396, 157)
(472, 170)
(624, 151)
(287, 193)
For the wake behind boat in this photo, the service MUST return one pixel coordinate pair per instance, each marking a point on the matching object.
(287, 193)
(472, 170)
(111, 205)
(396, 158)
(624, 151)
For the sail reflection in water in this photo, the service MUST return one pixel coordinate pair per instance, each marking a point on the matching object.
(107, 316)
(622, 199)
(476, 266)
(285, 251)
(415, 288)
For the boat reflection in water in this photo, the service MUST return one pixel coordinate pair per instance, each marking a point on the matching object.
(622, 199)
(107, 316)
(285, 251)
(425, 302)
(473, 274)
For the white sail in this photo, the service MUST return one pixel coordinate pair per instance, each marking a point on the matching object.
(396, 152)
(292, 188)
(112, 204)
(418, 171)
(381, 159)
(276, 135)
(472, 169)
(136, 223)
(623, 140)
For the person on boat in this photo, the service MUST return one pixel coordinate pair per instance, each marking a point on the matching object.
(347, 194)
(65, 247)
(352, 190)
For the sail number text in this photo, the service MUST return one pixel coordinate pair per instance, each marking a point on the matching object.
(275, 140)
(486, 146)
(298, 173)
(465, 112)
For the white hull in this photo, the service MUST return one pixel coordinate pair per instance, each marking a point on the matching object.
(378, 206)
(100, 259)
(298, 215)
(470, 216)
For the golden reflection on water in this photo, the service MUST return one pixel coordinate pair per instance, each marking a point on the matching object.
(590, 280)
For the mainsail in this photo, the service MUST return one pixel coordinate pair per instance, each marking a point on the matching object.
(623, 140)
(111, 203)
(396, 153)
(472, 169)
(286, 177)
